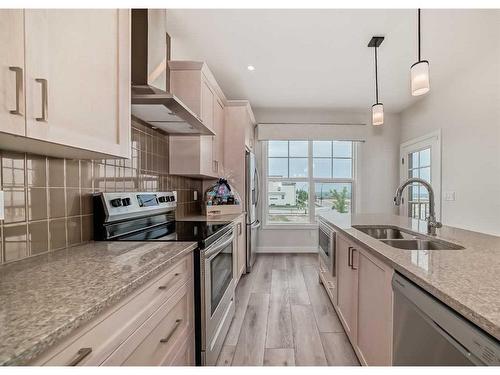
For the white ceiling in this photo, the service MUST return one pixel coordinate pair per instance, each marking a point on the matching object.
(320, 58)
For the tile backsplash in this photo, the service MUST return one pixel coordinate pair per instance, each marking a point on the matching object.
(48, 204)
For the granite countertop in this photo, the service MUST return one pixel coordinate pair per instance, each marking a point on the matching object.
(46, 297)
(467, 280)
(228, 217)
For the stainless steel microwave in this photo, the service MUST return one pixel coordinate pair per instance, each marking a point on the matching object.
(326, 247)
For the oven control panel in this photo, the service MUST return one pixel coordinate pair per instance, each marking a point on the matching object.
(129, 204)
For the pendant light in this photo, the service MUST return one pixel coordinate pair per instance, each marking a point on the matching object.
(377, 108)
(419, 72)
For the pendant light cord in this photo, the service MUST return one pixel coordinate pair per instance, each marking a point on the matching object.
(376, 77)
(418, 27)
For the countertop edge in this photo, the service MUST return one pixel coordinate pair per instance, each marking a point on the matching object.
(62, 332)
(465, 311)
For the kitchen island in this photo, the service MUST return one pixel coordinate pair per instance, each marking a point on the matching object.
(467, 280)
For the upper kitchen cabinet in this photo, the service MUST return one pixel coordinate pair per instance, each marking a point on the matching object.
(12, 118)
(193, 83)
(75, 78)
(238, 136)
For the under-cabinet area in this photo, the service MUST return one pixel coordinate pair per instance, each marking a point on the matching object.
(178, 188)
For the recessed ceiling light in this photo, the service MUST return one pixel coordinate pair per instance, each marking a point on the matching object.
(251, 68)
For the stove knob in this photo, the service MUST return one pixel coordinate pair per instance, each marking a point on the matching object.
(172, 198)
(163, 199)
(117, 202)
(126, 202)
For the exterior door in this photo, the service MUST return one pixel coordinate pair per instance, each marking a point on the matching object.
(78, 78)
(421, 157)
(12, 105)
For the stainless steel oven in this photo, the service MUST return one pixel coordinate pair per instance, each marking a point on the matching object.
(217, 295)
(326, 247)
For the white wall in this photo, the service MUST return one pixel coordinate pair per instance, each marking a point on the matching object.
(467, 109)
(378, 172)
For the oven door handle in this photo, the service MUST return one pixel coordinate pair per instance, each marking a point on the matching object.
(218, 247)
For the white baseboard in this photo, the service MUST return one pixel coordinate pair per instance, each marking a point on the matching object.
(287, 249)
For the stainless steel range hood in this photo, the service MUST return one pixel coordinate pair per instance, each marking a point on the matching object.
(152, 103)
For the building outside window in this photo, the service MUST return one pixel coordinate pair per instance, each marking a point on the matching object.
(305, 177)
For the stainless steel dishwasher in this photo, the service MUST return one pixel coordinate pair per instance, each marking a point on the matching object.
(427, 332)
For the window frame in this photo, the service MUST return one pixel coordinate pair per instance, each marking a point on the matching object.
(310, 180)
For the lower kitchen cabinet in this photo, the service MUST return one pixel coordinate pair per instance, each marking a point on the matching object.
(347, 287)
(153, 326)
(374, 312)
(365, 302)
(156, 342)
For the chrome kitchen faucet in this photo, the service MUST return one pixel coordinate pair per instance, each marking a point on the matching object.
(432, 223)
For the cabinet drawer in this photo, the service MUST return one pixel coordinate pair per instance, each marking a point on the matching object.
(185, 356)
(159, 338)
(105, 333)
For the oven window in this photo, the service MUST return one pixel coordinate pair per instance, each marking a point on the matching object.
(221, 274)
(324, 242)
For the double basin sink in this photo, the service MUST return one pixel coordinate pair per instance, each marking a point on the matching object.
(405, 239)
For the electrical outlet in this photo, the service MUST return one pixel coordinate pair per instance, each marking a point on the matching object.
(2, 203)
(449, 195)
(195, 195)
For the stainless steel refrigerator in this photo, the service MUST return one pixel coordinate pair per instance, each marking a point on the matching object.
(252, 197)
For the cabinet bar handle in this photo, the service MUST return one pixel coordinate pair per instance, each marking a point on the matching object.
(169, 336)
(349, 260)
(163, 287)
(19, 89)
(45, 100)
(80, 355)
(239, 229)
(352, 259)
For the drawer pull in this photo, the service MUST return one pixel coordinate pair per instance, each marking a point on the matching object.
(166, 286)
(80, 355)
(19, 89)
(177, 324)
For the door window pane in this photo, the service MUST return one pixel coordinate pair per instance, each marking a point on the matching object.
(413, 160)
(288, 202)
(425, 174)
(322, 149)
(425, 157)
(299, 148)
(342, 149)
(332, 196)
(342, 168)
(278, 167)
(298, 167)
(322, 168)
(278, 148)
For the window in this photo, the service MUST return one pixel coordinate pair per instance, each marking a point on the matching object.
(306, 177)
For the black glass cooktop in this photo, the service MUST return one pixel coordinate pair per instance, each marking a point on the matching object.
(203, 232)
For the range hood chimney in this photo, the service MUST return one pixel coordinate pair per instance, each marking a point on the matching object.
(152, 102)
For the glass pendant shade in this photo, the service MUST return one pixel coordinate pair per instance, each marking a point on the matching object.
(419, 75)
(378, 114)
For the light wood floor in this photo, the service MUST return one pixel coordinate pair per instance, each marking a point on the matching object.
(284, 318)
